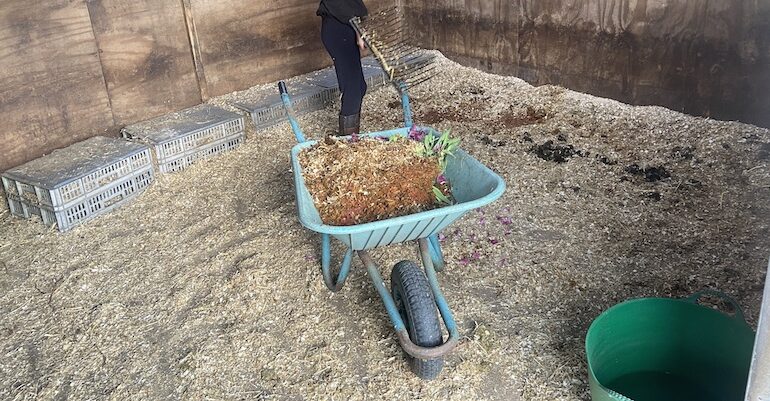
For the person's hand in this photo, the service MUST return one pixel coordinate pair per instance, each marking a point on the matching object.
(360, 42)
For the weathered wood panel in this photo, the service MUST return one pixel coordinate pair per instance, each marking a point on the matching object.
(246, 43)
(704, 58)
(146, 57)
(52, 92)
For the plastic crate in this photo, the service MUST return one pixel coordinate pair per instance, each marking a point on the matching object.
(376, 76)
(69, 175)
(373, 72)
(177, 134)
(327, 78)
(14, 206)
(266, 108)
(98, 203)
(219, 147)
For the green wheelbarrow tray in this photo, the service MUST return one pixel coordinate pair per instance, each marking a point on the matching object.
(662, 349)
(473, 186)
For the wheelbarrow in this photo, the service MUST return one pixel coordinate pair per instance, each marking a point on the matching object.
(411, 304)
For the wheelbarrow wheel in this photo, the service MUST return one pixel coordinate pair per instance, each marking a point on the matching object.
(414, 300)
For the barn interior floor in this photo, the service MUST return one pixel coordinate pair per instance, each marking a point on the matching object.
(207, 287)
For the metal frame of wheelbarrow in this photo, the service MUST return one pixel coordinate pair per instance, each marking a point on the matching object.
(430, 249)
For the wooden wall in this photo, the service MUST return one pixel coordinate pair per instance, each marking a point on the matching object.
(707, 58)
(52, 90)
(72, 69)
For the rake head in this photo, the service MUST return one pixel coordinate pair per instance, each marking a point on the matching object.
(384, 34)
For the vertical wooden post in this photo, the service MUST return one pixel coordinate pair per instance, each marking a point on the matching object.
(192, 34)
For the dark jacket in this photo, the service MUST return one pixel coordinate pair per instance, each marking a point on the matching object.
(342, 10)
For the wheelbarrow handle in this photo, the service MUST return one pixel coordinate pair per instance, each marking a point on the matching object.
(286, 99)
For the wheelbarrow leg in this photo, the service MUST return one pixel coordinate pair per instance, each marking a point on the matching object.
(326, 257)
(441, 303)
(435, 253)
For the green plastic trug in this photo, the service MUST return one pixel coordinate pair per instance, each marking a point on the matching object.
(658, 349)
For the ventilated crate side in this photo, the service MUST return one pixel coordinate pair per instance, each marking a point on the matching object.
(70, 175)
(217, 148)
(104, 201)
(116, 171)
(265, 106)
(198, 139)
(97, 204)
(176, 134)
(59, 198)
(268, 116)
(9, 186)
(45, 216)
(15, 206)
(312, 101)
(67, 194)
(302, 104)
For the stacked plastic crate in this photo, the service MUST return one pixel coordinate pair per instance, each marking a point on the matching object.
(374, 75)
(309, 92)
(75, 184)
(327, 78)
(266, 108)
(179, 139)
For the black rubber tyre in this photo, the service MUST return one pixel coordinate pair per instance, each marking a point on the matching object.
(415, 303)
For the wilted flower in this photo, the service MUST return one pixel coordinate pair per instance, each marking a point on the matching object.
(441, 179)
(416, 134)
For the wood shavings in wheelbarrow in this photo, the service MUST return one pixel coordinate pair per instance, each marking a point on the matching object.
(207, 286)
(363, 180)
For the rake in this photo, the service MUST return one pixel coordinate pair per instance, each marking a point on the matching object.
(384, 34)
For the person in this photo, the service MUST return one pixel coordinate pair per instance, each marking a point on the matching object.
(345, 46)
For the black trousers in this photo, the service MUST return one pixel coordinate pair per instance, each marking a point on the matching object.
(340, 41)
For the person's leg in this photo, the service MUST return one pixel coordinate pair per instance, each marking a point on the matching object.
(340, 41)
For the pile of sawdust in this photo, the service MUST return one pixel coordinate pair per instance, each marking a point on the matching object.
(369, 179)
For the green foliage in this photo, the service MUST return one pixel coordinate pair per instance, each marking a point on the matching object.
(440, 197)
(441, 147)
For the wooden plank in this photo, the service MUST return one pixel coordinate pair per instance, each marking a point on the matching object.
(146, 57)
(247, 43)
(52, 92)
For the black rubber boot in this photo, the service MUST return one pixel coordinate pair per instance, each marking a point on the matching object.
(350, 125)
